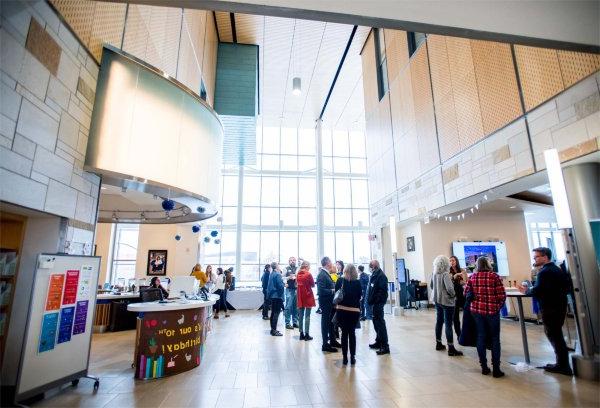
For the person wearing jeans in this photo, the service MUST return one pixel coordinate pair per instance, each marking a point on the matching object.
(444, 297)
(487, 295)
(275, 294)
(305, 300)
(291, 309)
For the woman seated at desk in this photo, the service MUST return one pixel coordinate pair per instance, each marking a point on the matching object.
(155, 284)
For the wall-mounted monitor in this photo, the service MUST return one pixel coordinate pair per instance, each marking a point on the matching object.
(400, 270)
(468, 252)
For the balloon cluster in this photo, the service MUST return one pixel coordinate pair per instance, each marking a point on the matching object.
(195, 228)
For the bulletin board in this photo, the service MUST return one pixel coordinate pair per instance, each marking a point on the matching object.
(57, 341)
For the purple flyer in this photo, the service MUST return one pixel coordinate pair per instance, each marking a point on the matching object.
(65, 324)
(80, 317)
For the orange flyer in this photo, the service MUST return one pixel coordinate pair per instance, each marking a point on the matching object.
(55, 289)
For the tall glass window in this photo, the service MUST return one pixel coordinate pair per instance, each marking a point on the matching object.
(279, 203)
(124, 252)
(382, 76)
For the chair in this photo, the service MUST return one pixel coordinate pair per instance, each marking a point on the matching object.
(151, 295)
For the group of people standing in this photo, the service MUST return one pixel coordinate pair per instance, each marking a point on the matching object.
(345, 298)
(223, 281)
(482, 296)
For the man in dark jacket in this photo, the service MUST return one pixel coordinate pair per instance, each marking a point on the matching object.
(275, 294)
(265, 283)
(364, 284)
(325, 291)
(378, 293)
(551, 289)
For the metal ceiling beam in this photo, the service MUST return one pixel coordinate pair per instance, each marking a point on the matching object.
(561, 24)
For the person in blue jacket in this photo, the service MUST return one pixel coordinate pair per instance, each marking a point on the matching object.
(275, 294)
(265, 283)
(364, 285)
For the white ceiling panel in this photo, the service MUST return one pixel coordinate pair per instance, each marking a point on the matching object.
(311, 50)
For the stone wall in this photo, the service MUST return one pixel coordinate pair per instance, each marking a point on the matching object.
(47, 91)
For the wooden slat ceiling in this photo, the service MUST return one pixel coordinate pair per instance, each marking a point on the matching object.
(311, 50)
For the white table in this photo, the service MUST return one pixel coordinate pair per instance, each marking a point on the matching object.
(245, 299)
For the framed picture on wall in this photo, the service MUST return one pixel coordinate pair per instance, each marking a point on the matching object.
(157, 262)
(410, 244)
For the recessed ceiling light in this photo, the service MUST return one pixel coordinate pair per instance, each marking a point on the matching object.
(513, 206)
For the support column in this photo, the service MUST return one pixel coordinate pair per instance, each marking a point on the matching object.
(238, 226)
(319, 182)
(582, 184)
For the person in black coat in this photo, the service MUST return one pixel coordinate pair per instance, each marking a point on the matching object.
(325, 290)
(378, 294)
(551, 289)
(348, 310)
(265, 283)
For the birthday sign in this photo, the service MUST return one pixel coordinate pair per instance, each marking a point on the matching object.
(170, 342)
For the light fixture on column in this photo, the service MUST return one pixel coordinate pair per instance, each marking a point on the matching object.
(297, 86)
(557, 187)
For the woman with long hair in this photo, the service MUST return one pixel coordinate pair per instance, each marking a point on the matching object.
(487, 295)
(459, 280)
(305, 299)
(201, 275)
(348, 311)
(155, 284)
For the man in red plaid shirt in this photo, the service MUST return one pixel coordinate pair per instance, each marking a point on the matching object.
(487, 295)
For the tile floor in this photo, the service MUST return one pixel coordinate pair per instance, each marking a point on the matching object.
(245, 367)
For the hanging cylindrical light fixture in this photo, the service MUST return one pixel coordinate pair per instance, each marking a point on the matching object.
(297, 86)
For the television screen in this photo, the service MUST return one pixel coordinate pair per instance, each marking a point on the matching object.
(400, 270)
(468, 253)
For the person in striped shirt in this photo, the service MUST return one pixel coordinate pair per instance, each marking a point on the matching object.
(487, 296)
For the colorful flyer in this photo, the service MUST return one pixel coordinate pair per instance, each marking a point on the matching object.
(48, 333)
(80, 317)
(55, 288)
(66, 324)
(85, 280)
(71, 284)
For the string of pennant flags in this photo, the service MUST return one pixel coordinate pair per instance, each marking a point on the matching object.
(458, 217)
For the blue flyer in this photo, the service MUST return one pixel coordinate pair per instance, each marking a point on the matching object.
(66, 324)
(48, 334)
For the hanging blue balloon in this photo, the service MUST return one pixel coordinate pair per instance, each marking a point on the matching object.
(217, 241)
(214, 233)
(207, 239)
(201, 210)
(195, 228)
(168, 205)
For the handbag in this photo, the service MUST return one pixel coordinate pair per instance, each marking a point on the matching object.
(339, 295)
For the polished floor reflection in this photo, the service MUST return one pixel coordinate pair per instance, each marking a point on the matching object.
(245, 367)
